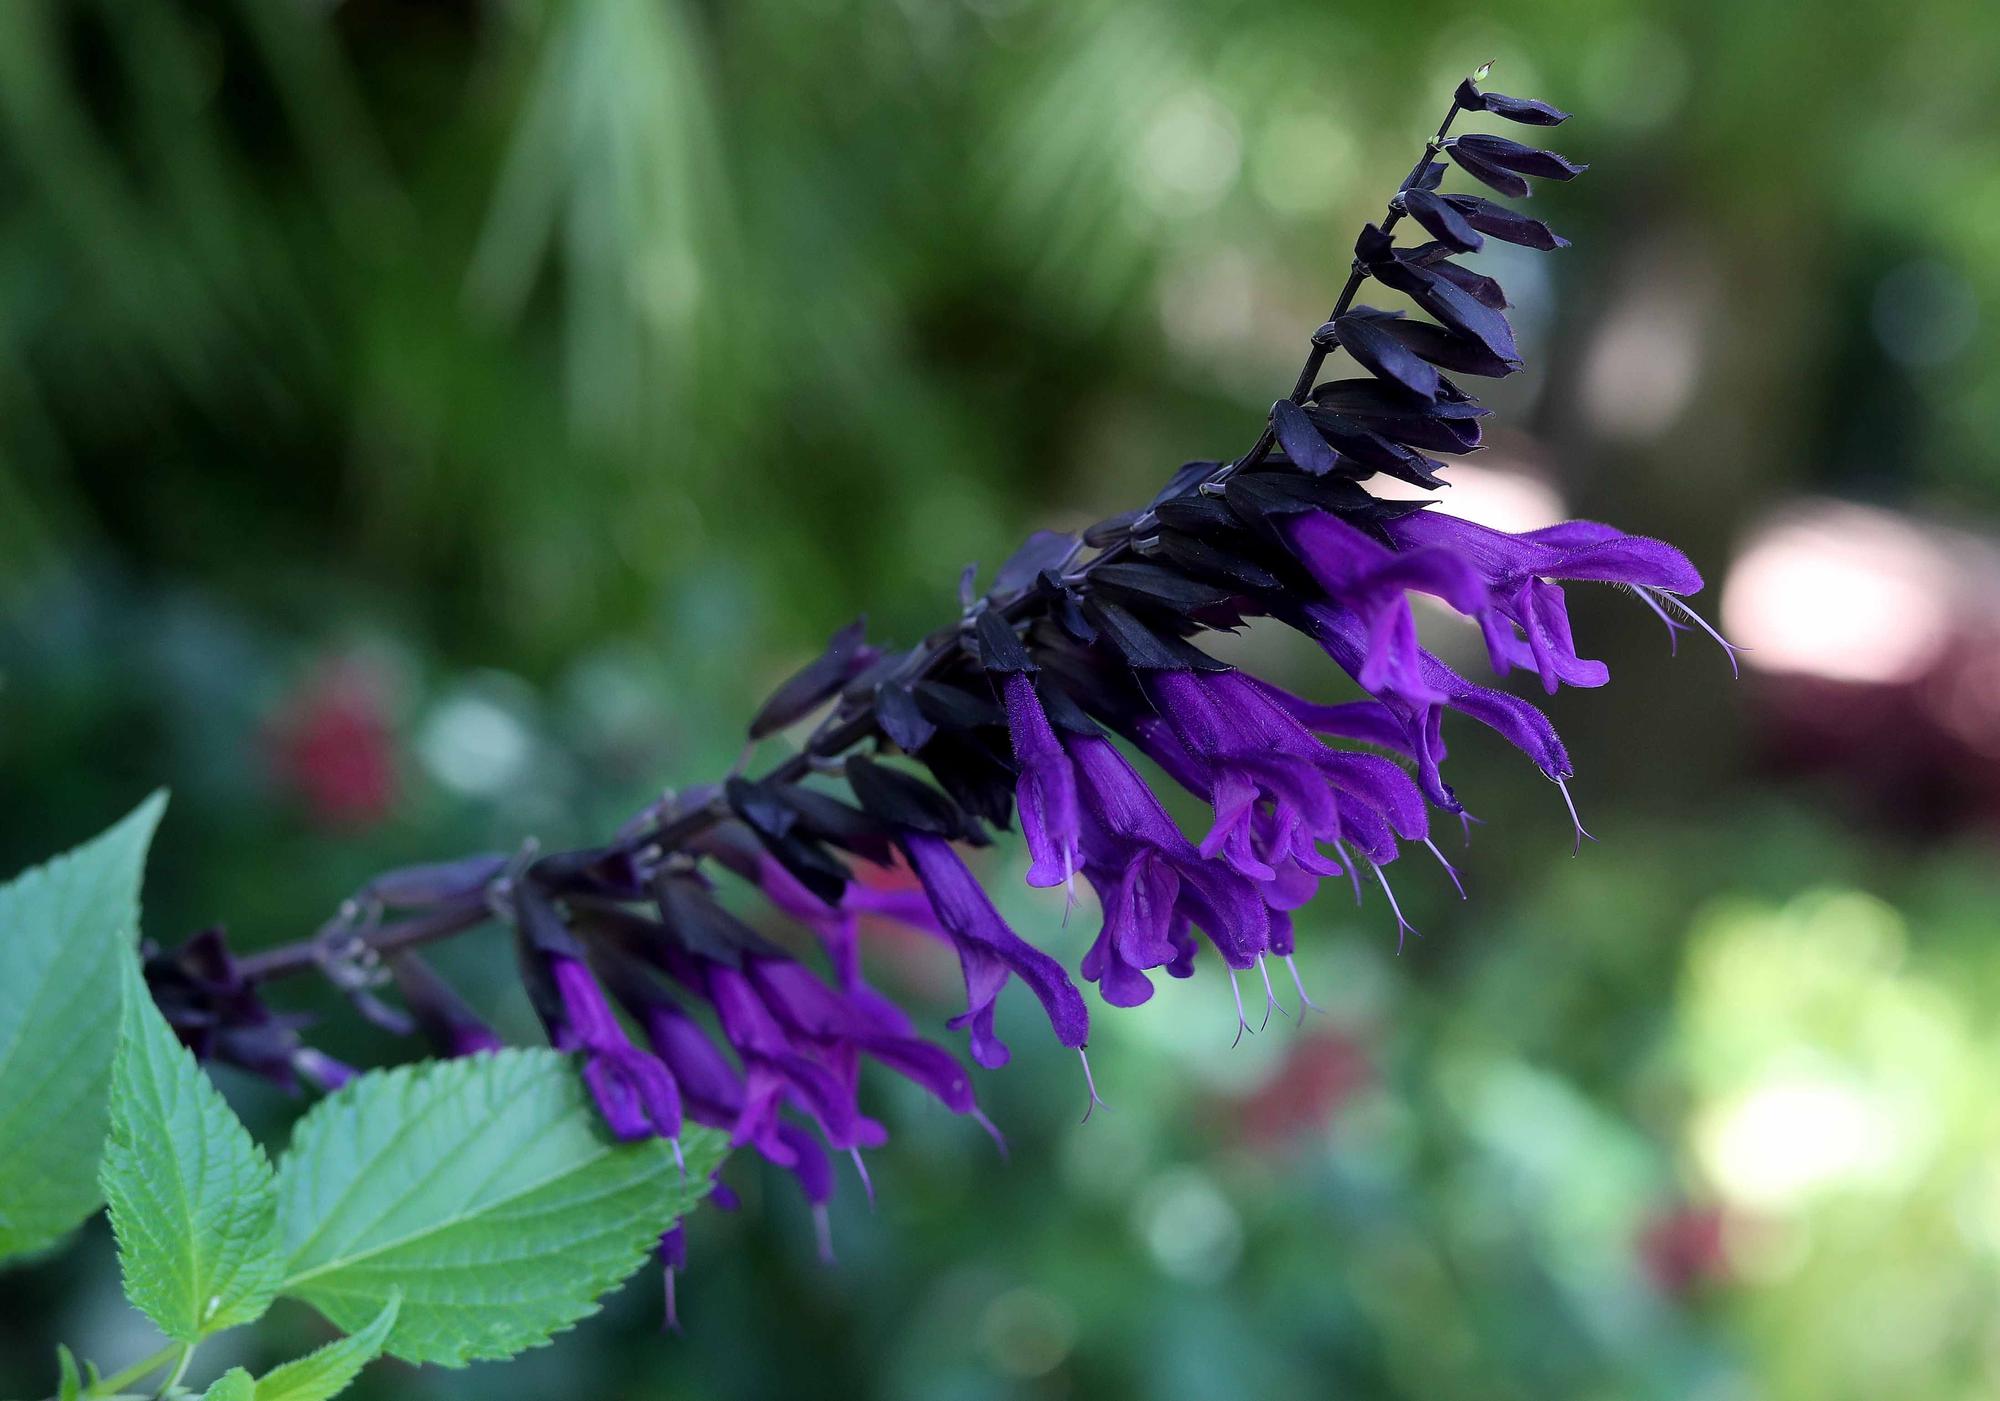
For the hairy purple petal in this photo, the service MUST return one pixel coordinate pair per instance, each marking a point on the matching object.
(1344, 638)
(1523, 616)
(989, 952)
(1371, 580)
(1129, 819)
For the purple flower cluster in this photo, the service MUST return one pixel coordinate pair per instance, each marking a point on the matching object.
(1081, 658)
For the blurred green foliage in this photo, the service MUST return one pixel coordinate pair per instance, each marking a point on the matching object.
(525, 385)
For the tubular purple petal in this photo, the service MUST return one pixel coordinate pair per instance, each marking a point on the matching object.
(634, 1091)
(1523, 615)
(989, 952)
(1371, 580)
(1522, 724)
(1045, 792)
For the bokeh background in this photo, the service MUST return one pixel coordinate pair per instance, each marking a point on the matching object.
(424, 425)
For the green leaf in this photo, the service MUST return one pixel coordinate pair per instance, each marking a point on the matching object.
(327, 1372)
(70, 1387)
(62, 928)
(193, 1201)
(485, 1188)
(233, 1385)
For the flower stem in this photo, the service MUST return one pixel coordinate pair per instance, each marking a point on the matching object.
(1355, 276)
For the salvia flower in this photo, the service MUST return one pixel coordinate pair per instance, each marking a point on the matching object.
(989, 952)
(1045, 793)
(1523, 614)
(633, 1090)
(1083, 655)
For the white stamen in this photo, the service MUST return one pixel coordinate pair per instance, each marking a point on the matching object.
(1353, 871)
(823, 1229)
(1270, 993)
(1306, 1003)
(1449, 869)
(1578, 821)
(1680, 605)
(1674, 628)
(992, 1130)
(1089, 1083)
(1403, 926)
(861, 1169)
(1242, 1021)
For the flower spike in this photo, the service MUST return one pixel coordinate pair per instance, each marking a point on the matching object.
(1028, 708)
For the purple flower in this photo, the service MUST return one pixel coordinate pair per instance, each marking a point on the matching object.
(848, 1024)
(1522, 611)
(1131, 826)
(1371, 581)
(798, 1043)
(633, 1090)
(838, 925)
(1045, 793)
(1140, 892)
(1415, 727)
(1253, 753)
(777, 1073)
(989, 952)
(746, 1103)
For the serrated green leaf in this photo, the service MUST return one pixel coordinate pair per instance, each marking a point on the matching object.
(193, 1201)
(233, 1385)
(485, 1188)
(326, 1372)
(62, 929)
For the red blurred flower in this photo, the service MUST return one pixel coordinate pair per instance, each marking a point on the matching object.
(1320, 1073)
(331, 744)
(1684, 1246)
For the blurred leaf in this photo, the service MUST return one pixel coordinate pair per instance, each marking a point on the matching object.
(233, 1385)
(63, 929)
(487, 1190)
(327, 1372)
(71, 1385)
(192, 1199)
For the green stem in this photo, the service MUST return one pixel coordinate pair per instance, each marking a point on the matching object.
(118, 1381)
(180, 1369)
